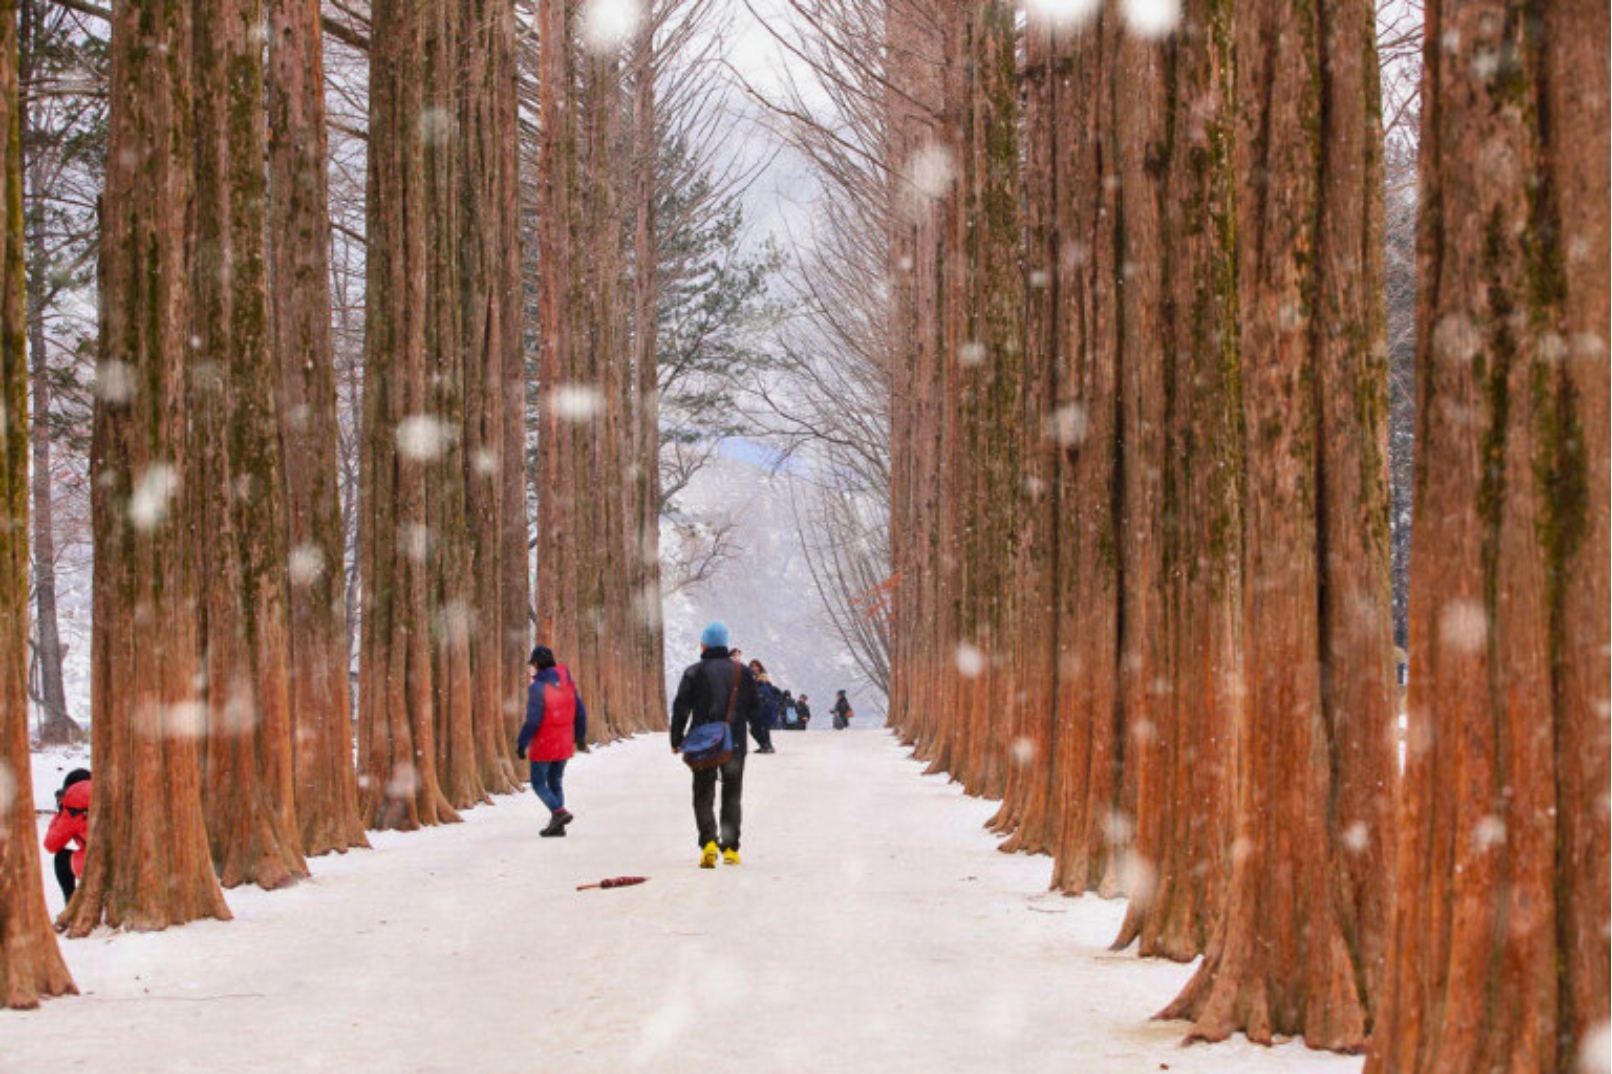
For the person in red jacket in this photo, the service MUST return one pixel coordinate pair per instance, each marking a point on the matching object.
(68, 834)
(556, 727)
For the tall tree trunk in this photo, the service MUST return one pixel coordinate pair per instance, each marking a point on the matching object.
(591, 577)
(1499, 958)
(1291, 955)
(31, 965)
(912, 104)
(299, 274)
(450, 599)
(1183, 752)
(238, 505)
(402, 438)
(987, 315)
(57, 726)
(644, 551)
(1089, 705)
(559, 549)
(148, 866)
(1026, 809)
(492, 330)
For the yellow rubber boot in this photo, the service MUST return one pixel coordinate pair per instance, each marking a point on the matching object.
(708, 856)
(730, 856)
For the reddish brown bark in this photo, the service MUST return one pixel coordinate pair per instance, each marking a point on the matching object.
(402, 438)
(1087, 416)
(299, 272)
(984, 304)
(643, 551)
(239, 516)
(597, 601)
(148, 864)
(913, 101)
(31, 966)
(1183, 753)
(1290, 955)
(1025, 813)
(448, 127)
(1500, 952)
(496, 501)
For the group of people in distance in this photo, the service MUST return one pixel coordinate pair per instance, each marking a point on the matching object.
(719, 687)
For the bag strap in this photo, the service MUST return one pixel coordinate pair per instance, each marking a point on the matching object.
(732, 695)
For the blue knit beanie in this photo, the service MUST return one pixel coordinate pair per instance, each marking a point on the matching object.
(714, 636)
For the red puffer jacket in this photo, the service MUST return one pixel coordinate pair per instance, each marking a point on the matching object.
(556, 718)
(71, 825)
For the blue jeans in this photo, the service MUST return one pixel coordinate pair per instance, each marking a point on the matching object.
(547, 780)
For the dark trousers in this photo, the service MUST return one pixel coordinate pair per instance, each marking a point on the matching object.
(704, 800)
(762, 734)
(64, 873)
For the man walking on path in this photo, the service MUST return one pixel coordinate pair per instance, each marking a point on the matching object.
(556, 727)
(710, 693)
(841, 711)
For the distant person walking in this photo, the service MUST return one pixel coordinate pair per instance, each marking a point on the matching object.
(804, 711)
(770, 702)
(556, 727)
(68, 835)
(842, 711)
(714, 689)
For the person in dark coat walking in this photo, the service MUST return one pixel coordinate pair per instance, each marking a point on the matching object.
(715, 688)
(67, 838)
(804, 711)
(556, 727)
(841, 711)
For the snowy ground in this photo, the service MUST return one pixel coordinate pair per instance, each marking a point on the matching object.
(872, 927)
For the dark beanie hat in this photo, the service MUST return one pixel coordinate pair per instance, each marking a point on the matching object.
(542, 657)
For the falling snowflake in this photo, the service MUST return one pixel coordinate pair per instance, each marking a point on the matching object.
(1463, 626)
(114, 382)
(1066, 426)
(970, 661)
(1065, 12)
(307, 564)
(609, 24)
(1356, 837)
(404, 783)
(576, 402)
(1489, 832)
(1151, 18)
(422, 438)
(153, 493)
(929, 174)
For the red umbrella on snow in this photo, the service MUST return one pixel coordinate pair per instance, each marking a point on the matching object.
(614, 882)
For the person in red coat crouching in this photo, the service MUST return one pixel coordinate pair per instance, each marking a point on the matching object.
(556, 727)
(68, 834)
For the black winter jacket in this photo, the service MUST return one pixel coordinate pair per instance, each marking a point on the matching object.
(703, 696)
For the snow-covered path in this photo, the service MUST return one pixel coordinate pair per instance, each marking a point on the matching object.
(872, 927)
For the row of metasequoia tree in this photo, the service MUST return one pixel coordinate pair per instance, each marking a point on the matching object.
(1139, 502)
(223, 739)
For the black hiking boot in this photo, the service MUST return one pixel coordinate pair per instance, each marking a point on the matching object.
(556, 828)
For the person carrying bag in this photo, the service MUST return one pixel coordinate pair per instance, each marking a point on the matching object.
(719, 696)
